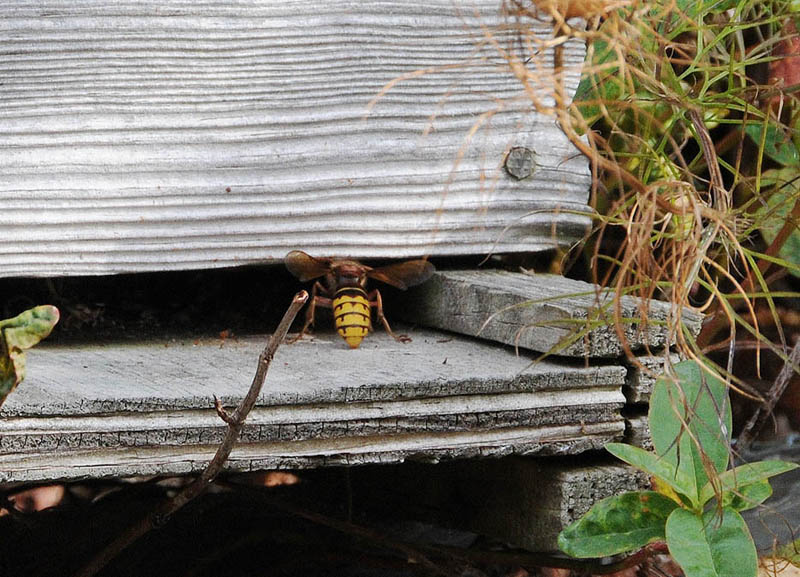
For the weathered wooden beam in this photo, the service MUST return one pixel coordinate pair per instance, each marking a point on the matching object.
(166, 135)
(527, 502)
(522, 501)
(145, 408)
(544, 313)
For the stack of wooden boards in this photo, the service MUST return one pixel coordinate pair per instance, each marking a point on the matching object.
(145, 408)
(168, 135)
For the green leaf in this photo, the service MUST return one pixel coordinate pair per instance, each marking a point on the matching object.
(617, 524)
(654, 465)
(600, 81)
(710, 546)
(690, 424)
(745, 475)
(747, 496)
(778, 146)
(17, 334)
(773, 216)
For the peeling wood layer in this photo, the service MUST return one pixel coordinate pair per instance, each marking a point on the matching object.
(17, 436)
(637, 430)
(428, 447)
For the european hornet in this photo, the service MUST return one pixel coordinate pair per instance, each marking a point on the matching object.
(345, 291)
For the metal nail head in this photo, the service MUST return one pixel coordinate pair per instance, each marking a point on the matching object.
(520, 162)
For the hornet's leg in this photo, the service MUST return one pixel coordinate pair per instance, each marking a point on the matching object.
(311, 310)
(376, 301)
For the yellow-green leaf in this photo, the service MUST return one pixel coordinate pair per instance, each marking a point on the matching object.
(18, 334)
(618, 524)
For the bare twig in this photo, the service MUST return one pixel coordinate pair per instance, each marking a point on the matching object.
(763, 412)
(221, 412)
(235, 422)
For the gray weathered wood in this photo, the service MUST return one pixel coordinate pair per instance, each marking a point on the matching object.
(163, 135)
(642, 377)
(527, 502)
(146, 408)
(382, 449)
(637, 431)
(545, 313)
(146, 376)
(307, 422)
(522, 501)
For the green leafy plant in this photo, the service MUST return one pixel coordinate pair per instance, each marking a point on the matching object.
(688, 111)
(779, 203)
(18, 334)
(695, 507)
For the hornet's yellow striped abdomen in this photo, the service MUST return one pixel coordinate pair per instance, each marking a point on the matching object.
(351, 314)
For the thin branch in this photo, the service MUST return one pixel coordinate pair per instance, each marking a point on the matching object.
(221, 412)
(235, 421)
(763, 412)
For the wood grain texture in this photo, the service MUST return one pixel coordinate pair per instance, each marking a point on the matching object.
(429, 447)
(139, 136)
(25, 435)
(148, 376)
(544, 313)
(147, 408)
